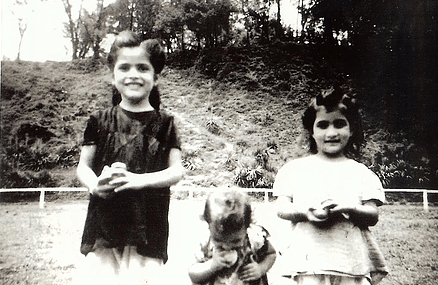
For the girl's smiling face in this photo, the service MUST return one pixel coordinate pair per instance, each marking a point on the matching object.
(331, 132)
(134, 75)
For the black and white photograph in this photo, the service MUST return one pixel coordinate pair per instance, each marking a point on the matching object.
(219, 142)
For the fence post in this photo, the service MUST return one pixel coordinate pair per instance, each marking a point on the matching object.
(425, 202)
(42, 199)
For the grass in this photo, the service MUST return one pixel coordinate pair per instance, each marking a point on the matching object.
(41, 246)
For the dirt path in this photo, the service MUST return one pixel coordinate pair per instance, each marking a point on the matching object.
(222, 127)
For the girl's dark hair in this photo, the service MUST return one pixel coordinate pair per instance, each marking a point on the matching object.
(335, 99)
(227, 211)
(152, 48)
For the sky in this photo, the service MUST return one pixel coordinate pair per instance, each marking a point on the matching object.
(44, 38)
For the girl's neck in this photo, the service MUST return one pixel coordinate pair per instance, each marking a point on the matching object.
(331, 158)
(136, 108)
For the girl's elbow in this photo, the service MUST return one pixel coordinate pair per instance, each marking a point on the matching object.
(373, 217)
(80, 170)
(179, 173)
(373, 220)
(194, 278)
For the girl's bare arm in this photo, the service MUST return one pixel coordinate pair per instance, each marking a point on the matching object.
(201, 272)
(84, 172)
(253, 270)
(287, 211)
(366, 214)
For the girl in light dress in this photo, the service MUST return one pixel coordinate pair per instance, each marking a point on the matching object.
(331, 200)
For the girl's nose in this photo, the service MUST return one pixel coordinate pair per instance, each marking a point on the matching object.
(331, 131)
(133, 73)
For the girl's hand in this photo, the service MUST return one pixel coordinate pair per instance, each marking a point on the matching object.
(362, 215)
(105, 182)
(127, 181)
(318, 214)
(343, 208)
(322, 212)
(223, 258)
(250, 272)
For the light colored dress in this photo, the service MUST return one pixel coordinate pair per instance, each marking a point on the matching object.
(336, 247)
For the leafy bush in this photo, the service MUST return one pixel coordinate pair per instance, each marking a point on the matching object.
(259, 173)
(38, 156)
(12, 178)
(213, 127)
(401, 166)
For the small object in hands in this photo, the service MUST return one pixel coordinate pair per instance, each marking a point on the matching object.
(108, 174)
(230, 256)
(117, 166)
(104, 179)
(328, 204)
(321, 213)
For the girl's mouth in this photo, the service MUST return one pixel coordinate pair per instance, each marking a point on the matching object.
(332, 141)
(134, 84)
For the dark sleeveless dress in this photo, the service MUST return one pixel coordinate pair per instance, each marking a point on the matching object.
(139, 218)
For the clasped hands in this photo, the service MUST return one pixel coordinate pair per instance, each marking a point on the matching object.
(114, 179)
(322, 212)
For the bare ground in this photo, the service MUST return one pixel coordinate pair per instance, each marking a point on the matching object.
(41, 246)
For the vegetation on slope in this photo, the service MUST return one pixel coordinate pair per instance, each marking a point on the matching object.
(238, 110)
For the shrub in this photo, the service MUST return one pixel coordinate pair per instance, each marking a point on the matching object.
(213, 127)
(259, 173)
(403, 167)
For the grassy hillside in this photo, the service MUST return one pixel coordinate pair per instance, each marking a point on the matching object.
(238, 111)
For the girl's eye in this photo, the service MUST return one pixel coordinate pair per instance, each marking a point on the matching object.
(339, 124)
(322, 124)
(219, 248)
(124, 67)
(143, 67)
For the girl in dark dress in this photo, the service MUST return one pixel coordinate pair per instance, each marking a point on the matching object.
(131, 155)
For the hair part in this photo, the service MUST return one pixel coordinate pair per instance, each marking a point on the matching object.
(153, 50)
(227, 211)
(331, 100)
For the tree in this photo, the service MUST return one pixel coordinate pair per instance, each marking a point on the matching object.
(169, 25)
(209, 21)
(98, 31)
(395, 46)
(88, 30)
(20, 10)
(146, 17)
(260, 26)
(135, 15)
(72, 28)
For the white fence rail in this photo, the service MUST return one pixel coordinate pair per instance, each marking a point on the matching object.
(191, 190)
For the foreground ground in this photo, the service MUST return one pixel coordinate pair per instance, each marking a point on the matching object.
(41, 246)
